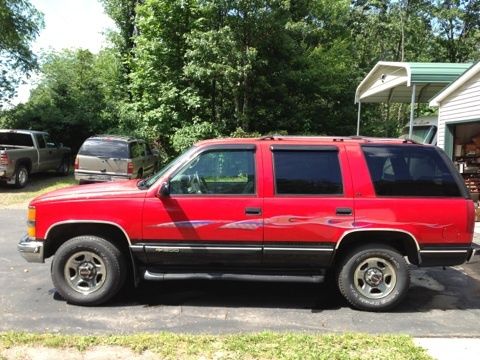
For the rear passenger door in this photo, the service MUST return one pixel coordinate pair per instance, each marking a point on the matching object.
(308, 204)
(43, 153)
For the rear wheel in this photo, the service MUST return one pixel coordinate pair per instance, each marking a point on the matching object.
(21, 176)
(88, 270)
(64, 167)
(374, 277)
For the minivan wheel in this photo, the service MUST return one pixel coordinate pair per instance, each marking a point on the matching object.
(21, 176)
(374, 277)
(88, 270)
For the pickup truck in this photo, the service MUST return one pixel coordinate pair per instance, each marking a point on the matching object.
(265, 209)
(24, 152)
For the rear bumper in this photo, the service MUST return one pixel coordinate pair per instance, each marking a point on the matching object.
(449, 256)
(31, 250)
(474, 256)
(81, 176)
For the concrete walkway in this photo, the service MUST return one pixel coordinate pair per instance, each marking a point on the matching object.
(451, 348)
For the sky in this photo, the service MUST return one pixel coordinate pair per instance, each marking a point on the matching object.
(69, 24)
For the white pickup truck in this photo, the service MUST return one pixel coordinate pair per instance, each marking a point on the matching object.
(24, 152)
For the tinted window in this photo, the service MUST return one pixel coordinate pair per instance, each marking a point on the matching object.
(16, 139)
(50, 143)
(105, 148)
(217, 172)
(409, 171)
(40, 141)
(137, 150)
(307, 172)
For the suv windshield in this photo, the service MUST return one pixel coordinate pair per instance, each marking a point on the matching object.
(105, 148)
(145, 184)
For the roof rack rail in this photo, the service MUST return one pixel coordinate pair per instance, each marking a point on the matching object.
(411, 141)
(271, 137)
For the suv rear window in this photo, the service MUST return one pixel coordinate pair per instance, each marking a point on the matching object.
(16, 139)
(105, 148)
(410, 171)
(307, 172)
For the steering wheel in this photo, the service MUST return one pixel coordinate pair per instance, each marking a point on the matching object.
(199, 183)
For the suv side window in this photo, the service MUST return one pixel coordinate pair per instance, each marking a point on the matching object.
(148, 150)
(302, 172)
(222, 172)
(137, 150)
(409, 171)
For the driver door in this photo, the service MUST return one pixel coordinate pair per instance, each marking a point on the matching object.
(213, 214)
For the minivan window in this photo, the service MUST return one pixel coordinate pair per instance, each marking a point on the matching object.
(105, 148)
(409, 171)
(314, 172)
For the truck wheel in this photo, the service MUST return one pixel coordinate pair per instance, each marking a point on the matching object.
(374, 277)
(21, 177)
(88, 270)
(64, 167)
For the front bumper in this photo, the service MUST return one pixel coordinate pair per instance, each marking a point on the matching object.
(31, 250)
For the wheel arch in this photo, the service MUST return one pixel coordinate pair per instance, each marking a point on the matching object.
(60, 232)
(403, 241)
(25, 162)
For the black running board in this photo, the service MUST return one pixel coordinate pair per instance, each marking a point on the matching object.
(235, 277)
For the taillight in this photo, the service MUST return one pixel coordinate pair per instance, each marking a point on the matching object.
(470, 217)
(130, 168)
(77, 163)
(4, 159)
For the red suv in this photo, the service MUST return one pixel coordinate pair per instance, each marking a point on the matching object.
(273, 208)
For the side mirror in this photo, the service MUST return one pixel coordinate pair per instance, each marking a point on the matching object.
(60, 145)
(164, 190)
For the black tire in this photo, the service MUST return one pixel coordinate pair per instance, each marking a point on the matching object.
(82, 254)
(21, 176)
(64, 168)
(361, 270)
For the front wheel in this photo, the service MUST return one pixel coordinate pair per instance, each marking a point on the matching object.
(374, 278)
(88, 270)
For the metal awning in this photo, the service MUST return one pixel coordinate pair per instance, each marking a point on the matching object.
(405, 82)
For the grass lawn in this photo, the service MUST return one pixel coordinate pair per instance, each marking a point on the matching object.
(37, 185)
(265, 345)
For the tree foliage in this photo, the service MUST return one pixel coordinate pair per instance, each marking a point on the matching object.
(183, 70)
(20, 24)
(74, 98)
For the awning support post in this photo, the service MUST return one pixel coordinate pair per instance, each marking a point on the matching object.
(358, 117)
(412, 112)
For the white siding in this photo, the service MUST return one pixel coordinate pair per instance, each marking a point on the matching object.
(462, 105)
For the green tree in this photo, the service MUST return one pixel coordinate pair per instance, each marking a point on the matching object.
(73, 99)
(20, 24)
(456, 26)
